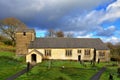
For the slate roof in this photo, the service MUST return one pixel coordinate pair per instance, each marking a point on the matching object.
(68, 43)
(25, 30)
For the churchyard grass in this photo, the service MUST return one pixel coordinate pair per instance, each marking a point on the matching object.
(111, 69)
(53, 69)
(9, 64)
(68, 70)
(61, 70)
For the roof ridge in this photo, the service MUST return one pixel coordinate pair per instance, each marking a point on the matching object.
(63, 38)
(68, 43)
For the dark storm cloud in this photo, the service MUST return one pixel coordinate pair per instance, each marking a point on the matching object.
(45, 14)
(80, 17)
(107, 32)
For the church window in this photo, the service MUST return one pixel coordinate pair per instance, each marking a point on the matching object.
(101, 54)
(87, 52)
(68, 53)
(47, 52)
(79, 51)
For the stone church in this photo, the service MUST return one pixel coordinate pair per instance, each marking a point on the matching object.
(78, 49)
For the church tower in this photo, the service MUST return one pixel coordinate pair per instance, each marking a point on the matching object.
(23, 39)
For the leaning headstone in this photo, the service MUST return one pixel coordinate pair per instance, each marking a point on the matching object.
(63, 67)
(49, 64)
(28, 66)
(91, 62)
(118, 71)
(98, 61)
(110, 77)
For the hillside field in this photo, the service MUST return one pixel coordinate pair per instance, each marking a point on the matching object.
(9, 64)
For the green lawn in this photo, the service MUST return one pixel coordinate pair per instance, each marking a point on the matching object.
(8, 54)
(52, 70)
(110, 70)
(72, 71)
(9, 64)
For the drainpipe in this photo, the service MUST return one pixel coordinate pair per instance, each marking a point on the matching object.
(94, 57)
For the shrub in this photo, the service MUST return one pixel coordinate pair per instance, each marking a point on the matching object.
(113, 59)
(7, 42)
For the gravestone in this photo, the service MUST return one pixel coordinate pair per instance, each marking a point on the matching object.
(110, 77)
(118, 71)
(98, 61)
(28, 66)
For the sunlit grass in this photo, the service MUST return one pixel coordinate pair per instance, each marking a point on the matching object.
(9, 65)
(110, 70)
(54, 70)
(6, 53)
(4, 47)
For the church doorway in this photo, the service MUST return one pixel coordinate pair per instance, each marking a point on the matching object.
(33, 56)
(79, 58)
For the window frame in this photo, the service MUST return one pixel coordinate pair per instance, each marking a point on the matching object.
(68, 53)
(87, 52)
(47, 52)
(79, 51)
(101, 53)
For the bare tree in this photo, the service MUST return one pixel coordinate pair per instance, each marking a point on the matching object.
(109, 45)
(59, 34)
(50, 33)
(69, 35)
(9, 26)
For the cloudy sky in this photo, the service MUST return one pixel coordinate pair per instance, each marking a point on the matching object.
(83, 18)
